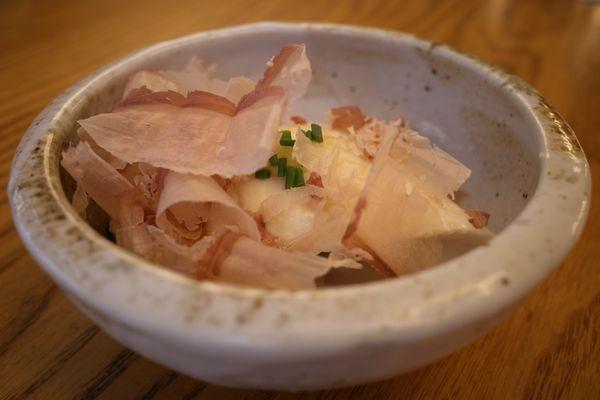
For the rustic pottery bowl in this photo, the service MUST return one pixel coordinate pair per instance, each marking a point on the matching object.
(529, 172)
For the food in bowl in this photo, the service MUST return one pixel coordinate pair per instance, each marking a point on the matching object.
(201, 176)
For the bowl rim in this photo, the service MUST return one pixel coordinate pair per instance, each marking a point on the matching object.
(443, 298)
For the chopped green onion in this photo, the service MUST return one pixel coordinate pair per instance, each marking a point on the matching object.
(317, 133)
(308, 133)
(286, 139)
(281, 167)
(299, 181)
(273, 161)
(262, 174)
(290, 177)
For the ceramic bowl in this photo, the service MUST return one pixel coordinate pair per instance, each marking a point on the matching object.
(529, 173)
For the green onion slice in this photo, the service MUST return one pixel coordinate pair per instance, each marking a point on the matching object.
(290, 177)
(317, 133)
(262, 174)
(281, 167)
(299, 181)
(286, 139)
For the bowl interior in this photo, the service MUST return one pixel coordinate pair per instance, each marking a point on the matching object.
(457, 105)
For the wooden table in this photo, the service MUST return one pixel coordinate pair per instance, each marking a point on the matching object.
(549, 348)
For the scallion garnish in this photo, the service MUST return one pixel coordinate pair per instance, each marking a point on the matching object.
(262, 174)
(316, 133)
(308, 133)
(299, 181)
(290, 177)
(286, 139)
(281, 166)
(273, 161)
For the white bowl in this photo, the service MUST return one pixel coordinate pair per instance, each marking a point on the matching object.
(529, 172)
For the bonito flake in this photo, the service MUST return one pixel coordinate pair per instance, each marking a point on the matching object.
(202, 176)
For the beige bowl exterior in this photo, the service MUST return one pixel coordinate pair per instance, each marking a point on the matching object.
(528, 171)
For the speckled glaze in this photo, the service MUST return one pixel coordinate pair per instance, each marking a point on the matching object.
(529, 172)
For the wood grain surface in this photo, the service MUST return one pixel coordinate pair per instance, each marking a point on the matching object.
(549, 348)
